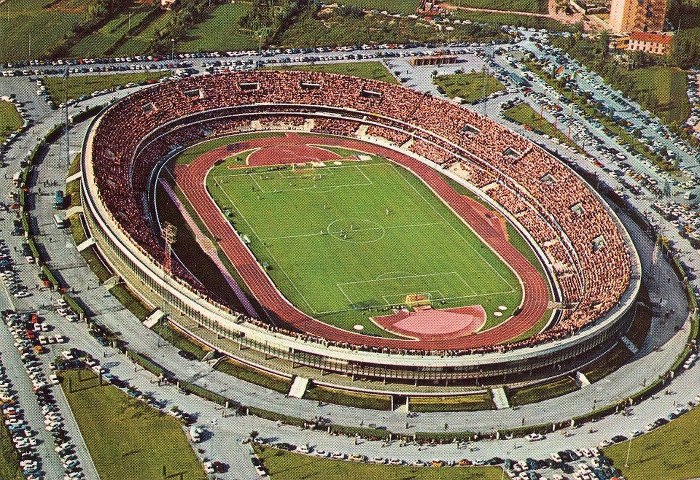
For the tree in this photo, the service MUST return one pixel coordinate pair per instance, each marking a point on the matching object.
(685, 48)
(603, 44)
(253, 435)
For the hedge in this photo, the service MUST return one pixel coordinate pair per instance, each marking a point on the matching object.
(48, 274)
(34, 248)
(146, 363)
(74, 304)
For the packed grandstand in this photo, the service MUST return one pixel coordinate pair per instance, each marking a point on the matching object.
(586, 251)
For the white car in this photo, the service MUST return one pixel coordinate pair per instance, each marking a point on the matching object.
(534, 437)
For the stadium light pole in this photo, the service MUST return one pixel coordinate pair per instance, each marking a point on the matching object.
(172, 49)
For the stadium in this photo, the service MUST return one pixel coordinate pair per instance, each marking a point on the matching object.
(365, 229)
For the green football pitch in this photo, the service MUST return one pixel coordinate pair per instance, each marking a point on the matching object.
(344, 241)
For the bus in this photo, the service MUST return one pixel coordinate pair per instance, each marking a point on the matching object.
(58, 199)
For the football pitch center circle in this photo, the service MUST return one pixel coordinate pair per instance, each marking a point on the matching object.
(356, 230)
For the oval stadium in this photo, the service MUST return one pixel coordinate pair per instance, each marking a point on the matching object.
(354, 227)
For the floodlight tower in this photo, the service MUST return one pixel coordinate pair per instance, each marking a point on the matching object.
(169, 233)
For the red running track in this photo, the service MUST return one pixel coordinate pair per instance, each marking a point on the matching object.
(191, 179)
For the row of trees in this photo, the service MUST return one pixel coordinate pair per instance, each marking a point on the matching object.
(684, 15)
(685, 49)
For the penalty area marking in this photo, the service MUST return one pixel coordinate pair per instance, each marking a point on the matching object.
(344, 287)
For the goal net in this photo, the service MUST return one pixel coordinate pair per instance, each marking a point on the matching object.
(417, 300)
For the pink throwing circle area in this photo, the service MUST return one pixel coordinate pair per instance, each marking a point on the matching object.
(429, 324)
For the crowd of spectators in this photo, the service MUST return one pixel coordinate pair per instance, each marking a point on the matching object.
(579, 237)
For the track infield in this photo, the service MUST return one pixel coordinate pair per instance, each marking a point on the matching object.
(345, 240)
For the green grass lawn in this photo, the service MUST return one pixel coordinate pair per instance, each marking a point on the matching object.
(127, 438)
(44, 20)
(535, 6)
(101, 41)
(334, 30)
(283, 465)
(525, 115)
(507, 18)
(253, 375)
(9, 460)
(373, 69)
(537, 393)
(10, 119)
(661, 90)
(348, 397)
(668, 453)
(220, 31)
(179, 340)
(79, 85)
(140, 42)
(362, 235)
(604, 366)
(393, 6)
(476, 401)
(470, 87)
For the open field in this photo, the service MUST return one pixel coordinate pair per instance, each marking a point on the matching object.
(115, 31)
(388, 234)
(335, 30)
(393, 6)
(220, 31)
(79, 85)
(374, 70)
(507, 18)
(10, 119)
(668, 453)
(140, 41)
(44, 21)
(283, 465)
(9, 460)
(470, 87)
(534, 6)
(127, 438)
(661, 90)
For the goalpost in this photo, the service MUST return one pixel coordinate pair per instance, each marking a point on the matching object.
(417, 300)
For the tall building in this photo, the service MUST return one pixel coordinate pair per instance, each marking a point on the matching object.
(637, 15)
